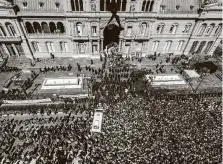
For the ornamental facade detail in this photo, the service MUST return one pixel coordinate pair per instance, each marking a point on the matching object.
(79, 28)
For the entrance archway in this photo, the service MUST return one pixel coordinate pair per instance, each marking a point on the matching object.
(111, 34)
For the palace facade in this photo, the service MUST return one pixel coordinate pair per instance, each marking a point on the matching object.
(79, 28)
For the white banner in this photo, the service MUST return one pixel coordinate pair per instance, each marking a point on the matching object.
(167, 79)
(164, 77)
(26, 101)
(63, 83)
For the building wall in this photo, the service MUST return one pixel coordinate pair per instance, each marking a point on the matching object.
(89, 14)
(11, 36)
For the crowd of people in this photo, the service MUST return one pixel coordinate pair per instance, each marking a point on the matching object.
(57, 68)
(9, 69)
(136, 129)
(19, 88)
(139, 126)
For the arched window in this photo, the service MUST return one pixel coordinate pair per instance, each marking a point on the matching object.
(208, 47)
(72, 5)
(186, 28)
(45, 27)
(107, 5)
(147, 6)
(81, 47)
(11, 49)
(35, 46)
(193, 47)
(180, 45)
(20, 49)
(49, 46)
(200, 48)
(144, 5)
(77, 5)
(2, 51)
(10, 29)
(119, 2)
(168, 45)
(52, 27)
(151, 6)
(143, 28)
(102, 5)
(202, 29)
(155, 45)
(210, 29)
(218, 30)
(123, 5)
(79, 29)
(81, 5)
(63, 47)
(29, 27)
(114, 5)
(2, 30)
(160, 27)
(173, 28)
(60, 27)
(37, 27)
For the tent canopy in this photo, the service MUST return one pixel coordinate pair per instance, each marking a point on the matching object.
(191, 73)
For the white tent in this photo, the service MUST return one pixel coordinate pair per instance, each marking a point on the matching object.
(191, 73)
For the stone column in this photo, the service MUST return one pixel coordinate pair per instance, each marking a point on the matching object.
(197, 28)
(74, 29)
(128, 6)
(23, 27)
(18, 29)
(104, 5)
(130, 47)
(6, 50)
(138, 6)
(120, 45)
(156, 6)
(15, 49)
(76, 44)
(123, 43)
(97, 2)
(101, 45)
(203, 47)
(90, 46)
(121, 5)
(147, 29)
(98, 50)
(68, 5)
(88, 5)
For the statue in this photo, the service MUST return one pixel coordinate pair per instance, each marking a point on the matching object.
(132, 8)
(93, 5)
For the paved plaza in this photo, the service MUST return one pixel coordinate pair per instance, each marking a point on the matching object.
(208, 82)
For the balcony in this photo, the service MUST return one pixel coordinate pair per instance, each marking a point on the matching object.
(107, 14)
(10, 39)
(142, 37)
(129, 36)
(169, 36)
(81, 37)
(95, 36)
(47, 36)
